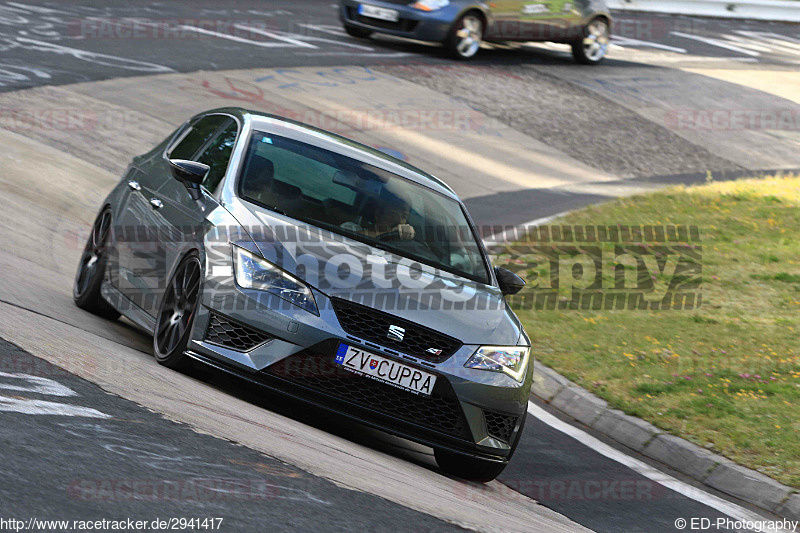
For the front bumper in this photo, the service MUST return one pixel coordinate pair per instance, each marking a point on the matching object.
(413, 23)
(289, 350)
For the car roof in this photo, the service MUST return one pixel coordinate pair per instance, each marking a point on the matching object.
(334, 142)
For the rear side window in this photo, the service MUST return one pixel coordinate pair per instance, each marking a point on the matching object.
(199, 134)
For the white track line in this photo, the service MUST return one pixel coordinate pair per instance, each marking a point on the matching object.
(237, 39)
(724, 506)
(626, 42)
(352, 54)
(717, 42)
(92, 57)
(280, 36)
(325, 28)
(42, 407)
(513, 234)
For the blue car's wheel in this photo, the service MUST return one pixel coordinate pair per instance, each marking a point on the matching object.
(466, 36)
(594, 46)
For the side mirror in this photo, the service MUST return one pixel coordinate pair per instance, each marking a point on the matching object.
(188, 172)
(509, 282)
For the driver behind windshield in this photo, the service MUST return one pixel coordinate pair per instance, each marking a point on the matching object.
(391, 220)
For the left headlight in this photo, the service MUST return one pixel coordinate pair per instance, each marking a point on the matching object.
(254, 272)
(512, 360)
(430, 5)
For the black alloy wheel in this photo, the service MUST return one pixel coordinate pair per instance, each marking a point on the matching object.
(176, 315)
(92, 268)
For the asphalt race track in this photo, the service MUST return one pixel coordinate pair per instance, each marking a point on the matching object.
(102, 432)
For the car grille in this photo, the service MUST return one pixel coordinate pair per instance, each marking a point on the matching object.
(315, 369)
(373, 325)
(403, 24)
(224, 332)
(499, 426)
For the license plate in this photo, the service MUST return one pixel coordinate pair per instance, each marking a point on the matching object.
(385, 370)
(376, 12)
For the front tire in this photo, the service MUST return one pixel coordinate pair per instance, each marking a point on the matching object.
(176, 314)
(465, 467)
(465, 37)
(92, 269)
(593, 48)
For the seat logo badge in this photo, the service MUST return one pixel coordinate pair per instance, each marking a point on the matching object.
(434, 351)
(396, 333)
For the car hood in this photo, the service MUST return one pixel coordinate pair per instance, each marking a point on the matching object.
(340, 267)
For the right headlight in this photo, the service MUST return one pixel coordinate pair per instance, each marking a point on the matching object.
(254, 272)
(430, 5)
(511, 360)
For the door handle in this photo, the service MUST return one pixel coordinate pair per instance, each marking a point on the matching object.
(134, 185)
(155, 203)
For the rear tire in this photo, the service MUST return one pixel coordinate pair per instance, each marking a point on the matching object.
(593, 48)
(358, 33)
(465, 36)
(176, 314)
(92, 270)
(465, 467)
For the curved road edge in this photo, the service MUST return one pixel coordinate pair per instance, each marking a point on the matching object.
(711, 469)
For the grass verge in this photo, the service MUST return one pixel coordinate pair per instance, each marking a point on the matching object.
(725, 376)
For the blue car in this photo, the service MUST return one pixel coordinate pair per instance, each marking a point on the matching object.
(462, 25)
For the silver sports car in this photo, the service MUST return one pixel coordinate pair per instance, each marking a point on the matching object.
(461, 25)
(321, 268)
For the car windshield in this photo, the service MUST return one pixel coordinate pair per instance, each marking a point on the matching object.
(361, 201)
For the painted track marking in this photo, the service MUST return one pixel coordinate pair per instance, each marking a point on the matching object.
(715, 502)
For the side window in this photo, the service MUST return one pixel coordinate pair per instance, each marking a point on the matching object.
(217, 154)
(199, 134)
